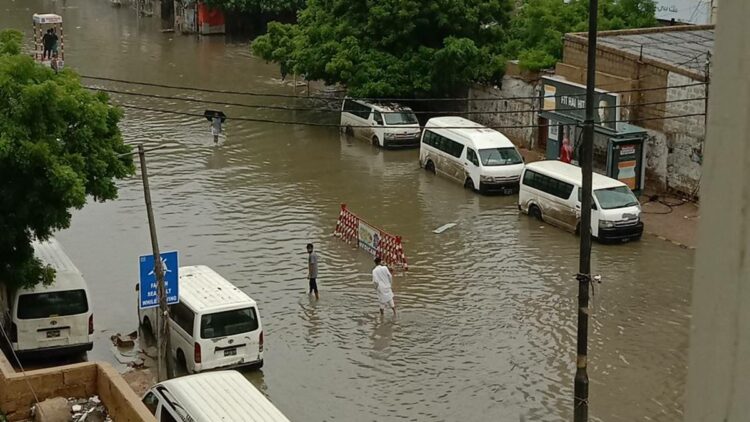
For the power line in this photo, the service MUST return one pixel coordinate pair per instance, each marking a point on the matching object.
(328, 110)
(331, 98)
(336, 125)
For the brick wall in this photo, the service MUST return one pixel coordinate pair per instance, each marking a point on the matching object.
(77, 380)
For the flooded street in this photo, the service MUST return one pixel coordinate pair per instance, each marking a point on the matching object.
(486, 329)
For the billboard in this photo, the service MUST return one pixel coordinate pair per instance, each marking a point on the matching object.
(686, 11)
(569, 99)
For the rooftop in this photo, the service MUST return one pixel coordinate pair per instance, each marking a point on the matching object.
(681, 48)
(207, 291)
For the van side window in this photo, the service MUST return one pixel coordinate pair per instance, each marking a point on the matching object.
(151, 402)
(183, 316)
(166, 416)
(547, 184)
(472, 156)
(357, 109)
(378, 118)
(443, 144)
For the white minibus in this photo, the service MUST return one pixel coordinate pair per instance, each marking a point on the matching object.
(214, 325)
(53, 319)
(385, 125)
(551, 191)
(224, 396)
(480, 158)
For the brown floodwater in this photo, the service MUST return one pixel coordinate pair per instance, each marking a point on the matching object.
(486, 329)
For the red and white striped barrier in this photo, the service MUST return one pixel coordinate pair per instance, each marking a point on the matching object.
(352, 229)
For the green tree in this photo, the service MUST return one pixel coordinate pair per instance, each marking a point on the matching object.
(537, 29)
(392, 47)
(258, 6)
(58, 144)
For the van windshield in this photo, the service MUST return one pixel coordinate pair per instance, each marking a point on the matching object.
(499, 156)
(617, 197)
(401, 118)
(52, 304)
(229, 323)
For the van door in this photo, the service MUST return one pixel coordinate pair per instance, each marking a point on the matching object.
(378, 129)
(52, 319)
(181, 330)
(471, 165)
(230, 337)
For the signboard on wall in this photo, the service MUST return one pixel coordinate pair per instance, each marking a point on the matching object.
(569, 99)
(696, 12)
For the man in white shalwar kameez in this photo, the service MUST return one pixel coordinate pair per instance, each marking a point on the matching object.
(382, 279)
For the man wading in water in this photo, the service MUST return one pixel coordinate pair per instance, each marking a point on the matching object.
(382, 279)
(312, 270)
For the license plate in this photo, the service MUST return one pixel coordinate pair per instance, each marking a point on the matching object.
(507, 191)
(230, 352)
(53, 333)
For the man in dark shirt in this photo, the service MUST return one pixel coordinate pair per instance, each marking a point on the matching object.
(312, 270)
(47, 42)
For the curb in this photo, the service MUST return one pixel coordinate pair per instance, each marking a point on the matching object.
(681, 245)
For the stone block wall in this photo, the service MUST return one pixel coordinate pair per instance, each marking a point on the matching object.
(685, 136)
(501, 107)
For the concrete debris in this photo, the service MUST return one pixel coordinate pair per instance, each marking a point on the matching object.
(88, 410)
(124, 342)
(51, 410)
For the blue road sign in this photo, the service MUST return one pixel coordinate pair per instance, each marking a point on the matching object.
(148, 285)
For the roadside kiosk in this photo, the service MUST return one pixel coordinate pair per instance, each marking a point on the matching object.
(619, 150)
(42, 23)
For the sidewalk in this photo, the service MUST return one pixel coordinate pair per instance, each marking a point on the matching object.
(668, 218)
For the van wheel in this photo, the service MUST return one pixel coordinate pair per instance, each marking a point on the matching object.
(258, 365)
(181, 368)
(578, 229)
(535, 212)
(375, 141)
(349, 131)
(469, 184)
(430, 166)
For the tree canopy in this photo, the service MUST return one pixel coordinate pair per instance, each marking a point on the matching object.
(59, 144)
(258, 6)
(392, 47)
(536, 32)
(382, 48)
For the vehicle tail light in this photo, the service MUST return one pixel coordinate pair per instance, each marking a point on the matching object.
(91, 324)
(13, 332)
(260, 343)
(197, 353)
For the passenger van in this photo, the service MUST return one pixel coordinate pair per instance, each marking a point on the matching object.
(385, 125)
(551, 191)
(480, 158)
(224, 396)
(215, 324)
(54, 319)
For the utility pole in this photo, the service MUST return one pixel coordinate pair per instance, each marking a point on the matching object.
(163, 366)
(581, 384)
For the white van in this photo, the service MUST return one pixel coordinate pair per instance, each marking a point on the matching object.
(215, 324)
(478, 157)
(53, 319)
(224, 396)
(385, 125)
(551, 191)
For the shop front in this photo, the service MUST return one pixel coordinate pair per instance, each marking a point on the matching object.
(618, 147)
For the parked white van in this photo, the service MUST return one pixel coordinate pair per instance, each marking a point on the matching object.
(478, 157)
(215, 324)
(385, 125)
(224, 396)
(551, 191)
(50, 319)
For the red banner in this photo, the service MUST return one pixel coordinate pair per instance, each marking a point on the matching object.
(352, 229)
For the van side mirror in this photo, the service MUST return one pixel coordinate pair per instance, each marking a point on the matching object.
(593, 206)
(137, 287)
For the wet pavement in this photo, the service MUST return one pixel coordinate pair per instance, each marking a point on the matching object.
(486, 329)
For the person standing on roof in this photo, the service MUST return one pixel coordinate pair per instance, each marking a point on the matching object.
(382, 279)
(312, 270)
